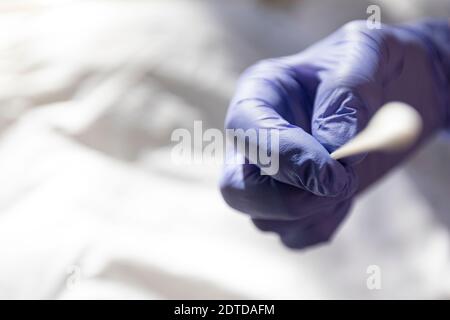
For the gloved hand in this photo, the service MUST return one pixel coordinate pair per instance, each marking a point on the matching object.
(318, 100)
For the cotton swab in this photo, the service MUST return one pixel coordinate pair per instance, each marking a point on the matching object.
(395, 127)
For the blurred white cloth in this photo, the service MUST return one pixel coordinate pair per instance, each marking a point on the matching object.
(91, 206)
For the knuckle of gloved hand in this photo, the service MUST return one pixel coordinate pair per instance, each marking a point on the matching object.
(259, 204)
(264, 67)
(240, 201)
(244, 200)
(294, 234)
(231, 194)
(264, 71)
(228, 195)
(358, 31)
(299, 240)
(246, 96)
(355, 26)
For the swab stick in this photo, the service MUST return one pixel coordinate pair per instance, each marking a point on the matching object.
(395, 127)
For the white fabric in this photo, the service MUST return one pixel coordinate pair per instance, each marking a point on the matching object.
(92, 207)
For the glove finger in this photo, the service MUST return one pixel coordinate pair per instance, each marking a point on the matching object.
(350, 91)
(270, 97)
(262, 197)
(309, 231)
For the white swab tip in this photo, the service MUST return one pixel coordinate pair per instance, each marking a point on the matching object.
(394, 127)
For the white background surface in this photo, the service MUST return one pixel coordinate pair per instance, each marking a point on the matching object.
(92, 207)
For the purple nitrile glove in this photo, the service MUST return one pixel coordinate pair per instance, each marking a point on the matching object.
(318, 100)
